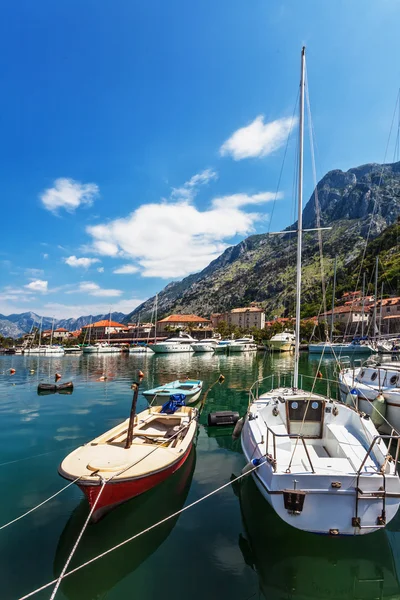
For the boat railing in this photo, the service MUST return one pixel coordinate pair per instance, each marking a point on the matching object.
(272, 459)
(388, 437)
(285, 380)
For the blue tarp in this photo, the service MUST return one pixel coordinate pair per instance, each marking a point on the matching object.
(173, 404)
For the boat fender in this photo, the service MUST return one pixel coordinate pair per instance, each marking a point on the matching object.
(378, 410)
(238, 428)
(223, 417)
(319, 375)
(352, 398)
(255, 462)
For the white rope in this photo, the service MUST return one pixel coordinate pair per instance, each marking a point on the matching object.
(41, 504)
(71, 554)
(130, 539)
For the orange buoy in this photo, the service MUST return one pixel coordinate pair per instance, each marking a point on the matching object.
(12, 371)
(140, 374)
(319, 375)
(102, 378)
(57, 376)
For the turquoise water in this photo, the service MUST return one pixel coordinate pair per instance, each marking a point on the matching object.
(230, 546)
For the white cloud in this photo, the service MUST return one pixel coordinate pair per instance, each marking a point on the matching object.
(37, 285)
(100, 269)
(84, 262)
(189, 189)
(126, 270)
(66, 311)
(34, 272)
(93, 289)
(258, 138)
(174, 239)
(45, 256)
(68, 194)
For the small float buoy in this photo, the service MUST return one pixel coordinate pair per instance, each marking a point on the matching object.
(221, 379)
(140, 374)
(32, 371)
(12, 371)
(319, 375)
(103, 378)
(57, 376)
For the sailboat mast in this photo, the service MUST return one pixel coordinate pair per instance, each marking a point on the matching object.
(299, 223)
(376, 294)
(363, 307)
(333, 299)
(155, 320)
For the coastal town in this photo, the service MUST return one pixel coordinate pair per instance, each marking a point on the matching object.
(353, 315)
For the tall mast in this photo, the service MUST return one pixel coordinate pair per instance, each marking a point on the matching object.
(363, 306)
(40, 331)
(333, 298)
(380, 313)
(155, 320)
(52, 332)
(376, 294)
(299, 223)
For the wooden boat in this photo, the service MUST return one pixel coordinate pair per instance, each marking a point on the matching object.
(160, 445)
(93, 583)
(190, 388)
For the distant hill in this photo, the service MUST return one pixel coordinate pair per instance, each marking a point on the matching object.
(360, 202)
(16, 325)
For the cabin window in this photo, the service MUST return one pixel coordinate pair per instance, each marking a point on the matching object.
(305, 418)
(362, 374)
(394, 379)
(374, 376)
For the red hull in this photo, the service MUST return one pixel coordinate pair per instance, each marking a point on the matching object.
(115, 493)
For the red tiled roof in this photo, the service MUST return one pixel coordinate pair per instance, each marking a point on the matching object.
(389, 301)
(105, 323)
(183, 319)
(60, 329)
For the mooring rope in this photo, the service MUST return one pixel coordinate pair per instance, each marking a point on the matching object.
(133, 537)
(41, 504)
(71, 554)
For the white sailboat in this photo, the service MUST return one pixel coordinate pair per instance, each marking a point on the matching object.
(322, 466)
(206, 345)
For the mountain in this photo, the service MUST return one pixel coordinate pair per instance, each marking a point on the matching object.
(16, 325)
(358, 204)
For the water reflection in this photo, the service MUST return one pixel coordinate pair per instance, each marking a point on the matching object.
(97, 579)
(294, 564)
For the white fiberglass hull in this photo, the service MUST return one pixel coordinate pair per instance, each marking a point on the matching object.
(101, 350)
(340, 349)
(204, 347)
(281, 346)
(140, 350)
(45, 351)
(171, 348)
(326, 474)
(242, 348)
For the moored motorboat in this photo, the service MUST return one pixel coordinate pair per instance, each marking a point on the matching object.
(101, 348)
(190, 388)
(244, 344)
(182, 343)
(206, 345)
(132, 457)
(140, 349)
(76, 349)
(282, 342)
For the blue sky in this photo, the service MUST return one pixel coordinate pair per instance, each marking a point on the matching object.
(139, 139)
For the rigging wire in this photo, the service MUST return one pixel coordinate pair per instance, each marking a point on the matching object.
(316, 199)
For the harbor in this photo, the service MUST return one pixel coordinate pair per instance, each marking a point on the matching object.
(38, 431)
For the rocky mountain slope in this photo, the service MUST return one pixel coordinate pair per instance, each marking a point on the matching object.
(16, 325)
(358, 204)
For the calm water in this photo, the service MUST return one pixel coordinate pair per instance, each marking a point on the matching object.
(231, 546)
